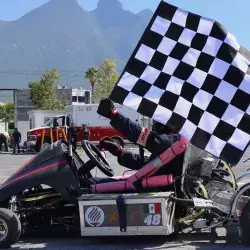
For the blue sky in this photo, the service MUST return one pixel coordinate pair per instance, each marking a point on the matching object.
(234, 15)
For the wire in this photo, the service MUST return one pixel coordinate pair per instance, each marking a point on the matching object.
(191, 218)
(40, 72)
(232, 175)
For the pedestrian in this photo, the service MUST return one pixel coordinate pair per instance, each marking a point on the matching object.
(74, 135)
(16, 140)
(85, 132)
(3, 140)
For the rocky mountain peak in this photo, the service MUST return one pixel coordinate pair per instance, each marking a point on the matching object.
(109, 4)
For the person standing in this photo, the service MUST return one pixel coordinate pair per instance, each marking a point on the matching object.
(3, 140)
(85, 132)
(74, 135)
(16, 140)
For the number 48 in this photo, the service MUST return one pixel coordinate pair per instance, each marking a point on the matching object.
(153, 219)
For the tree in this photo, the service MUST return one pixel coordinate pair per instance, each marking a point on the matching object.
(92, 75)
(7, 113)
(107, 78)
(43, 92)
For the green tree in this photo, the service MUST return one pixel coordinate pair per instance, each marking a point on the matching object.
(92, 75)
(107, 78)
(7, 113)
(43, 92)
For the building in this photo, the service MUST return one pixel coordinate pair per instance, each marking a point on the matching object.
(81, 95)
(23, 105)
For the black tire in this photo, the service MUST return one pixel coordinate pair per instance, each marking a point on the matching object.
(13, 227)
(245, 224)
(37, 147)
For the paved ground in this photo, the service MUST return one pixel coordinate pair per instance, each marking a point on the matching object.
(9, 163)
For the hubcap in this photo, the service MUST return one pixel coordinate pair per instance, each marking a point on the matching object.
(3, 230)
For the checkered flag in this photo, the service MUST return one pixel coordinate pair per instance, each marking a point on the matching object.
(190, 73)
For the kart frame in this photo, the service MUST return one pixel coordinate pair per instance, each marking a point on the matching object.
(135, 181)
(142, 179)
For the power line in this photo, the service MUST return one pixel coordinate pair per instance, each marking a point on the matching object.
(40, 71)
(37, 72)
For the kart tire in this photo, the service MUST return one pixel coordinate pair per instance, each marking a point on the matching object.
(10, 221)
(37, 147)
(245, 224)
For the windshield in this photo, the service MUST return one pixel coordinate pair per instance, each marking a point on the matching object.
(48, 123)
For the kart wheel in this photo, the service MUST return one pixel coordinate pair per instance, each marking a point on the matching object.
(37, 147)
(245, 224)
(10, 228)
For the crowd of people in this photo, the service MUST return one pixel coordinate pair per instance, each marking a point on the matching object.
(14, 139)
(84, 134)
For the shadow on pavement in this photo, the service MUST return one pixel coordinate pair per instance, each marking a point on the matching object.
(179, 241)
(21, 153)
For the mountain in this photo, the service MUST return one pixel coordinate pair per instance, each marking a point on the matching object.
(61, 34)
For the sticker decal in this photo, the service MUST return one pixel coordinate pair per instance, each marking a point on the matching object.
(94, 216)
(153, 220)
(112, 217)
(142, 140)
(152, 208)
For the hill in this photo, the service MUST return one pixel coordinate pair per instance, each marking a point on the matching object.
(62, 34)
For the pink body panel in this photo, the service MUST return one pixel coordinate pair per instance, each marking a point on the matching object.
(168, 155)
(125, 185)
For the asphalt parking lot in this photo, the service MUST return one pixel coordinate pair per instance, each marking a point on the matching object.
(9, 163)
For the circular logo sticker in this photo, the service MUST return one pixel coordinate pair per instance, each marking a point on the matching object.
(94, 216)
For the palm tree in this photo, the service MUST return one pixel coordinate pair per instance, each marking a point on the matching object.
(92, 74)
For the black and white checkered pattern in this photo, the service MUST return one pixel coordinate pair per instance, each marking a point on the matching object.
(190, 73)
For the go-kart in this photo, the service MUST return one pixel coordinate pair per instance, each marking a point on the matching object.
(55, 190)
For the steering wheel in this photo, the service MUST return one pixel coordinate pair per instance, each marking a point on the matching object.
(96, 156)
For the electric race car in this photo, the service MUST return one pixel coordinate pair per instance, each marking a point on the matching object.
(55, 190)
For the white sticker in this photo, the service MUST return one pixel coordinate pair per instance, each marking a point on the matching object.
(153, 219)
(94, 216)
(142, 140)
(198, 202)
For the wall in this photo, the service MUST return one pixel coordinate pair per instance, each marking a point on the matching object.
(23, 104)
(23, 127)
(2, 127)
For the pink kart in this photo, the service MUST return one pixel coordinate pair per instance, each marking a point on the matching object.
(55, 191)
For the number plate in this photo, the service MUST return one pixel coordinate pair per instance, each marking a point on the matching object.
(137, 215)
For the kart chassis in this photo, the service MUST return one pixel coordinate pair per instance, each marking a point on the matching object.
(104, 206)
(122, 207)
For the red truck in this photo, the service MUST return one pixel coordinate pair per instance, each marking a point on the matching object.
(79, 114)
